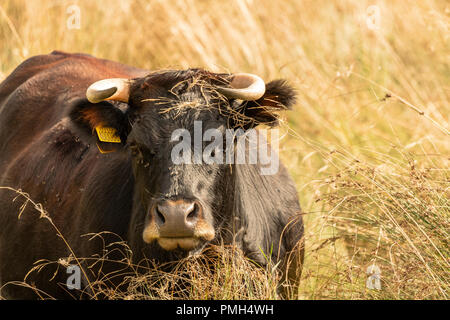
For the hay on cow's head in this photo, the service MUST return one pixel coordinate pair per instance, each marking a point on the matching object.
(206, 84)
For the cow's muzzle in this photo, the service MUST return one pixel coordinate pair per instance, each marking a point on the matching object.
(177, 224)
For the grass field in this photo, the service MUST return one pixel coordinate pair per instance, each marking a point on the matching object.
(368, 142)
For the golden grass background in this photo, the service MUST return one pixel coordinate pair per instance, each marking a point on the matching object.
(368, 142)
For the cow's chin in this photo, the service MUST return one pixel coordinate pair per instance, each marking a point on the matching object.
(182, 243)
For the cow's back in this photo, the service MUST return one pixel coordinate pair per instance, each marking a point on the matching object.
(34, 97)
(42, 155)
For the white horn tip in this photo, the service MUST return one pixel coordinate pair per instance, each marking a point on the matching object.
(95, 95)
(245, 86)
(109, 89)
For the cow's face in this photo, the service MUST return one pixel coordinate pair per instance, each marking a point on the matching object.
(175, 131)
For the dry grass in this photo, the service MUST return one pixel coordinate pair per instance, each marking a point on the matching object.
(367, 144)
(218, 272)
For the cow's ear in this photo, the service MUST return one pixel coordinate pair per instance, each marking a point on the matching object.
(279, 96)
(104, 122)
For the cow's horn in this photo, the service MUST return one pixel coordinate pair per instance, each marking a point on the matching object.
(244, 86)
(109, 89)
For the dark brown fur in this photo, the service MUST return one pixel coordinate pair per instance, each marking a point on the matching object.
(47, 150)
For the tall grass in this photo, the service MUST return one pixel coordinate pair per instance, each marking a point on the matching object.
(367, 144)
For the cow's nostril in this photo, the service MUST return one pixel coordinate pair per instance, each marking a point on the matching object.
(193, 213)
(159, 215)
(176, 218)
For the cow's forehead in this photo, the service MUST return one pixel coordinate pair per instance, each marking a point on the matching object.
(178, 100)
(184, 109)
(193, 120)
(182, 80)
(158, 124)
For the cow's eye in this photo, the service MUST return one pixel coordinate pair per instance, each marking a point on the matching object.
(134, 149)
(141, 151)
(146, 152)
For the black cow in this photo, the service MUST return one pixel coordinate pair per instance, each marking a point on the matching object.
(59, 126)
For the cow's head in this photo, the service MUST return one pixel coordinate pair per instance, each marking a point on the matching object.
(178, 204)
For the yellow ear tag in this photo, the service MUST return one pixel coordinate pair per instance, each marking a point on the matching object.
(107, 134)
